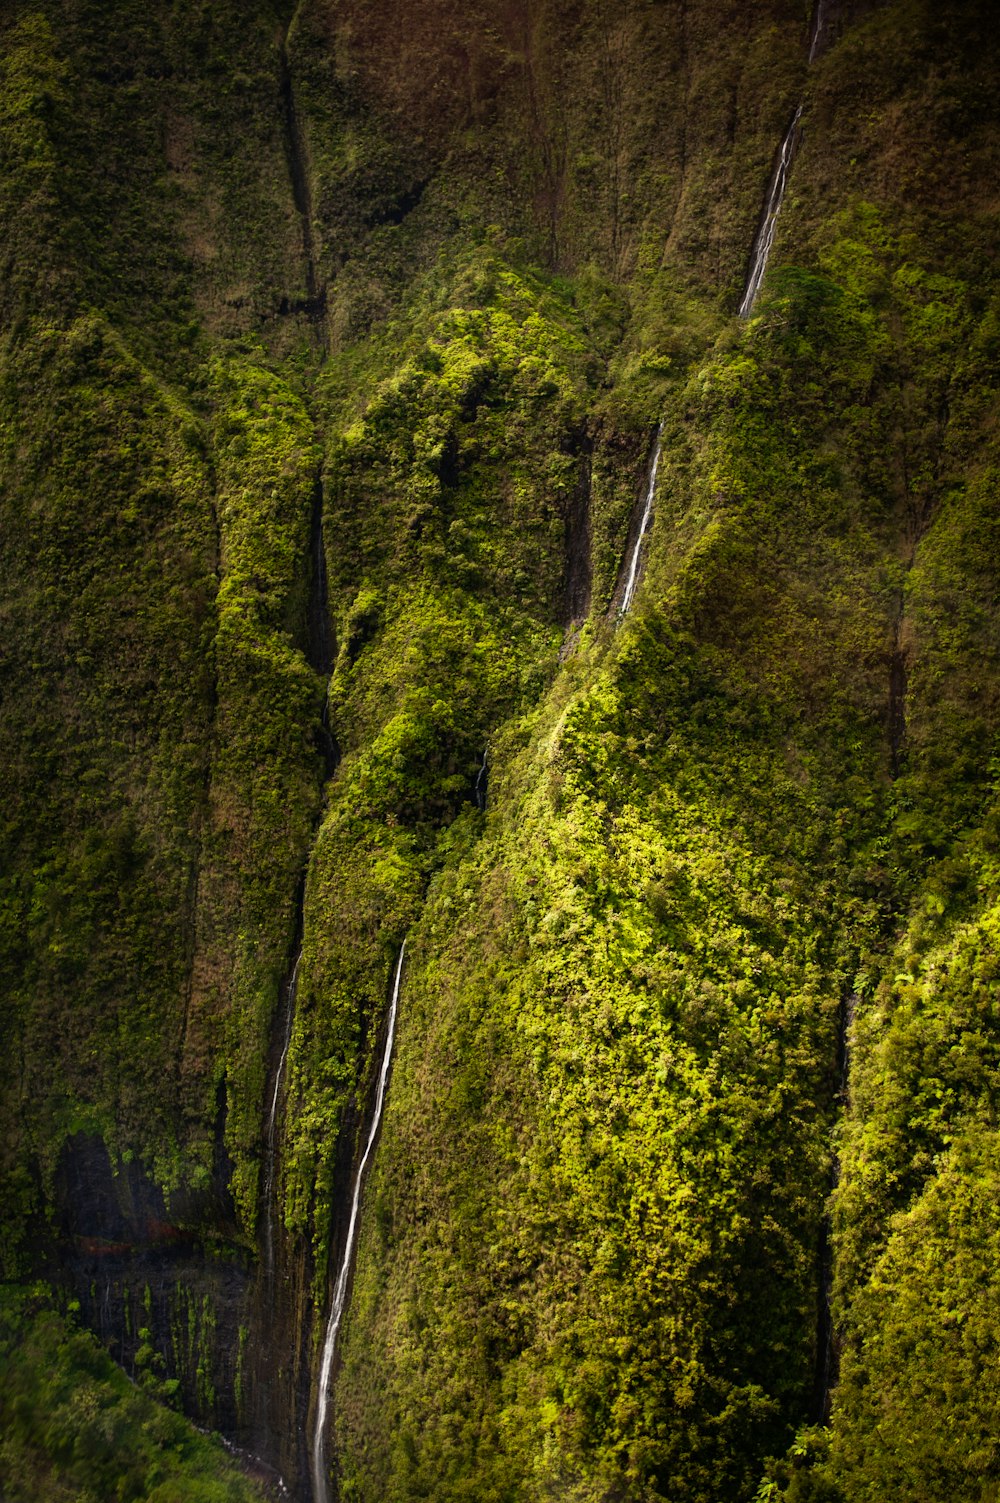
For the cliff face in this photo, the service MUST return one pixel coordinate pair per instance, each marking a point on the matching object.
(334, 345)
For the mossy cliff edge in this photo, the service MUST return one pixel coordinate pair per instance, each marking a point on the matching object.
(334, 341)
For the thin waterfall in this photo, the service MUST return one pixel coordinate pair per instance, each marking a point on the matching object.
(765, 234)
(764, 238)
(818, 28)
(482, 778)
(320, 1490)
(271, 1140)
(632, 577)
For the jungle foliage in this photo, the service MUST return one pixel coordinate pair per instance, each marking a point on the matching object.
(75, 1429)
(698, 1018)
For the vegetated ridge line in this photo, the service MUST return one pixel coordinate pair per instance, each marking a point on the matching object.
(320, 1490)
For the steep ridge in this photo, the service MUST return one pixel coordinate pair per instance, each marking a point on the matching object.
(481, 1348)
(277, 1331)
(406, 296)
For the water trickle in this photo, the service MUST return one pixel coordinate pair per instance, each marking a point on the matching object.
(632, 576)
(482, 779)
(764, 238)
(255, 1465)
(320, 1490)
(818, 30)
(271, 1139)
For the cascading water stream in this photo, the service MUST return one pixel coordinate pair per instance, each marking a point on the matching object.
(818, 30)
(271, 1138)
(764, 238)
(632, 576)
(320, 1490)
(482, 779)
(279, 1362)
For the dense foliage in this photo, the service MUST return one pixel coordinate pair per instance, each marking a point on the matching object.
(369, 315)
(76, 1429)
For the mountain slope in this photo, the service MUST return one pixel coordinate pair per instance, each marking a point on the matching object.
(335, 344)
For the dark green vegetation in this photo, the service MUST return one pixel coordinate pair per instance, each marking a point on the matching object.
(77, 1430)
(725, 939)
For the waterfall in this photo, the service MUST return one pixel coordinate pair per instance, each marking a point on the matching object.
(320, 1491)
(764, 238)
(765, 234)
(818, 27)
(479, 791)
(271, 1139)
(632, 577)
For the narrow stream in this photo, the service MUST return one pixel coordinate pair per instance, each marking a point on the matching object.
(314, 304)
(279, 1381)
(482, 781)
(632, 576)
(271, 1137)
(818, 39)
(764, 238)
(759, 254)
(319, 655)
(321, 1492)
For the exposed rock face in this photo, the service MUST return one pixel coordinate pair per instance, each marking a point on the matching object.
(148, 1275)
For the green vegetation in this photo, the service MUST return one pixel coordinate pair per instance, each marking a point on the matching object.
(444, 269)
(76, 1430)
